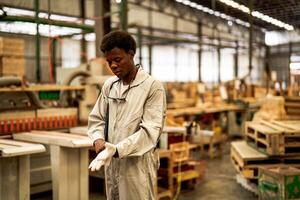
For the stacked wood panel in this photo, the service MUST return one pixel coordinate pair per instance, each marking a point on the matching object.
(12, 62)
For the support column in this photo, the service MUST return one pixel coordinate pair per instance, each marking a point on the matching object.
(102, 25)
(200, 51)
(123, 15)
(219, 60)
(175, 26)
(140, 44)
(250, 37)
(236, 60)
(83, 54)
(289, 70)
(150, 40)
(37, 43)
(267, 68)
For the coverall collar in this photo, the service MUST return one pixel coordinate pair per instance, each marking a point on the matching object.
(140, 77)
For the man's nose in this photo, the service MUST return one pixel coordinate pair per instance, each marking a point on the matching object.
(113, 65)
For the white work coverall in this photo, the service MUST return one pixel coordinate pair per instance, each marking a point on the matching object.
(134, 127)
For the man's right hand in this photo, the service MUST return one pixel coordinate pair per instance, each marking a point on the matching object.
(99, 145)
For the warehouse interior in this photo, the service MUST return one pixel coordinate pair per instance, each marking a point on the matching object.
(230, 70)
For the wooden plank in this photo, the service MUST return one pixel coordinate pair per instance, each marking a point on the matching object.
(9, 148)
(246, 152)
(11, 46)
(55, 138)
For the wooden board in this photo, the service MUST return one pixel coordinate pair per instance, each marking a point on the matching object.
(9, 148)
(55, 138)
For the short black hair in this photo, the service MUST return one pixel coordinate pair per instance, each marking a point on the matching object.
(120, 39)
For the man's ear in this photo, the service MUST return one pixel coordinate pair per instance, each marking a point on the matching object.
(131, 52)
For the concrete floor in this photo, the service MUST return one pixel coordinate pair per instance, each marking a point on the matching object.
(219, 184)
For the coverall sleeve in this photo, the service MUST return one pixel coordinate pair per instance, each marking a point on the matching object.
(147, 136)
(96, 121)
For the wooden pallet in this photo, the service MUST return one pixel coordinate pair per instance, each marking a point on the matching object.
(247, 160)
(275, 138)
(292, 107)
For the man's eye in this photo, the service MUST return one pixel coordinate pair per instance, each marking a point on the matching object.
(118, 60)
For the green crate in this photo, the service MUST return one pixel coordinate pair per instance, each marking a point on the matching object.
(279, 183)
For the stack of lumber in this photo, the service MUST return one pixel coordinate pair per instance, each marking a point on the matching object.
(41, 119)
(292, 107)
(12, 60)
(267, 144)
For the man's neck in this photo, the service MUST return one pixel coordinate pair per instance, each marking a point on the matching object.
(130, 77)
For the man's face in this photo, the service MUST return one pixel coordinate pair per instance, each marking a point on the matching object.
(120, 62)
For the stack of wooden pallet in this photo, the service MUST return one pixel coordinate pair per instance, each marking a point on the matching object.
(12, 60)
(292, 107)
(267, 144)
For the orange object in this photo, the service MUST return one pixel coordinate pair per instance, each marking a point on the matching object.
(29, 124)
(23, 127)
(34, 124)
(70, 121)
(50, 123)
(65, 121)
(74, 120)
(17, 125)
(45, 122)
(55, 122)
(60, 120)
(1, 127)
(11, 125)
(40, 124)
(5, 127)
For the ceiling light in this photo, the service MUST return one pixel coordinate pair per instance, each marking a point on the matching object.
(257, 14)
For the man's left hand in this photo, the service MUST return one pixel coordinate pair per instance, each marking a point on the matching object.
(104, 157)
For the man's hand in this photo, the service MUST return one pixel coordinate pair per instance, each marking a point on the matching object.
(99, 145)
(104, 157)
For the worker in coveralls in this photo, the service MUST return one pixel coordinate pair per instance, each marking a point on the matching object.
(131, 107)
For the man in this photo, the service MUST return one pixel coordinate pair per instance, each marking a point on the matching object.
(136, 105)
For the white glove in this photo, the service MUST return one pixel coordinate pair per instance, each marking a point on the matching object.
(104, 157)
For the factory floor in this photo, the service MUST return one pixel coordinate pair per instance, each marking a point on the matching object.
(219, 183)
